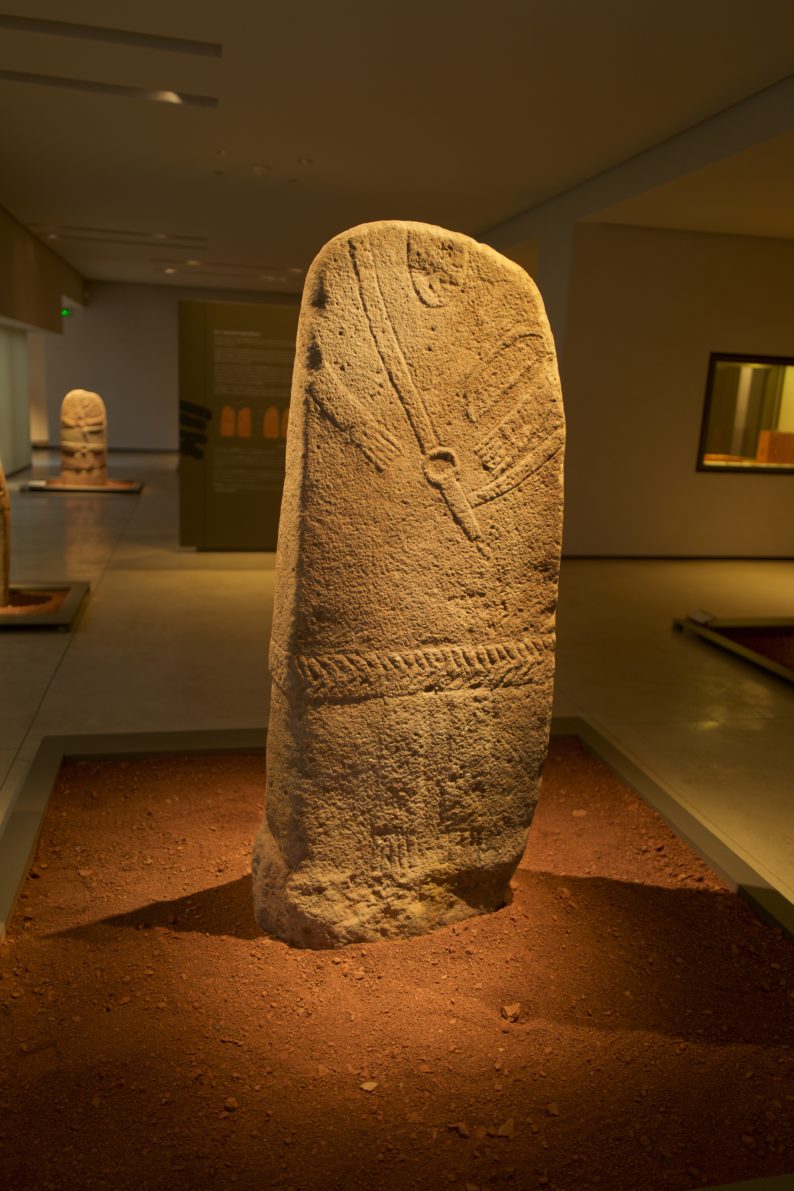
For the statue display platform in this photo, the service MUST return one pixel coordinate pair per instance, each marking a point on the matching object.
(111, 488)
(767, 642)
(54, 605)
(573, 1039)
(84, 450)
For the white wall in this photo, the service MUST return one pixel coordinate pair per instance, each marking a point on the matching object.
(552, 224)
(123, 345)
(646, 309)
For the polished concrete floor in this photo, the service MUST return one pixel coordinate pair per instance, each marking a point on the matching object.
(172, 639)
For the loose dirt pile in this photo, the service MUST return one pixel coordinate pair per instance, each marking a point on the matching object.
(625, 1024)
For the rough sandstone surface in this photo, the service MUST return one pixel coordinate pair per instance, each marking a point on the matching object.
(413, 638)
(84, 436)
(5, 542)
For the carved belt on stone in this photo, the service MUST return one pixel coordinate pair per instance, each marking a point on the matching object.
(331, 677)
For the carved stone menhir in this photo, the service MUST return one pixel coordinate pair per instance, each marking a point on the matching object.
(5, 542)
(84, 437)
(413, 636)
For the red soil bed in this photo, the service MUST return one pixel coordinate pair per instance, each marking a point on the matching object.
(33, 603)
(775, 643)
(625, 1024)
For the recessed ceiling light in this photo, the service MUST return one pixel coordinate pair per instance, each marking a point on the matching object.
(192, 262)
(169, 270)
(52, 235)
(295, 270)
(259, 170)
(304, 161)
(221, 152)
(72, 84)
(267, 277)
(164, 96)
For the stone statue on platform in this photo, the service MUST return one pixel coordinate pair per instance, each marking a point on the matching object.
(84, 435)
(413, 637)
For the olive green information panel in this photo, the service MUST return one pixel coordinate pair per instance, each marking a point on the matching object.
(235, 371)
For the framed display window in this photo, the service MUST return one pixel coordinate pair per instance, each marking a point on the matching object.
(748, 416)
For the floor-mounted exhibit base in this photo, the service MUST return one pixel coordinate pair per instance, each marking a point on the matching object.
(767, 642)
(43, 606)
(621, 1024)
(112, 488)
(20, 831)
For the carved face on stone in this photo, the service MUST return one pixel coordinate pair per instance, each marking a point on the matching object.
(83, 410)
(437, 267)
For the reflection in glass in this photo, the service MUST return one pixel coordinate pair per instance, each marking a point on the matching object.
(748, 422)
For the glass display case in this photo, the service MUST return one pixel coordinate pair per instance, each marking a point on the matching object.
(748, 418)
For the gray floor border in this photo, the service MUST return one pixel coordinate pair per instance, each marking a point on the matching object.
(64, 619)
(20, 832)
(768, 903)
(711, 632)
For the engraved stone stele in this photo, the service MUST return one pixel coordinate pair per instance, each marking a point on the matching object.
(413, 638)
(83, 439)
(5, 542)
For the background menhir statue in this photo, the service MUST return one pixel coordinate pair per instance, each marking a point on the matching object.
(413, 637)
(84, 439)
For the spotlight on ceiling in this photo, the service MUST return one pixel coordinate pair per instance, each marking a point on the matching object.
(164, 96)
(169, 270)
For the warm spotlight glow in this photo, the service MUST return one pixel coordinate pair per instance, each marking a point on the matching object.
(165, 97)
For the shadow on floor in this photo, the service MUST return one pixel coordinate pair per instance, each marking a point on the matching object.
(586, 952)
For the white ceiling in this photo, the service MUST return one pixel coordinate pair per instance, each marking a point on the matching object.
(449, 111)
(749, 194)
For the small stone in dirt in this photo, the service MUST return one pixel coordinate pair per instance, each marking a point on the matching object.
(578, 814)
(460, 1128)
(368, 1085)
(507, 1128)
(511, 1012)
(553, 1109)
(230, 1104)
(85, 872)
